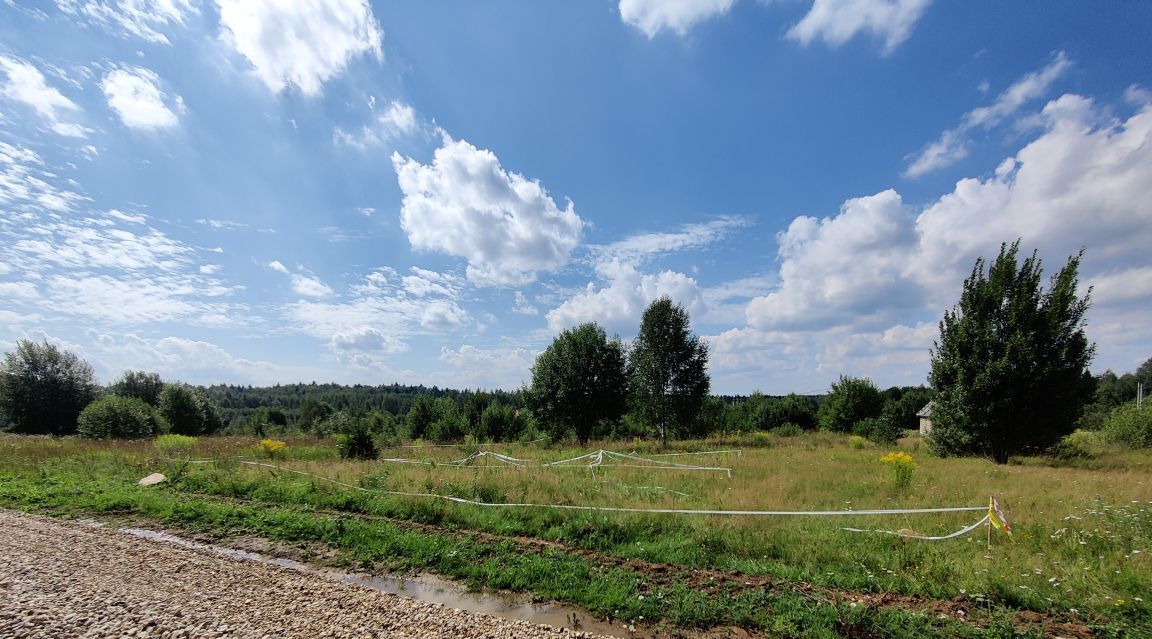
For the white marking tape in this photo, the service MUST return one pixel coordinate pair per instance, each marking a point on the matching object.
(611, 509)
(596, 459)
(738, 451)
(958, 533)
(511, 461)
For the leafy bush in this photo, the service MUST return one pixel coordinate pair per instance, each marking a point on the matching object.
(1129, 426)
(354, 437)
(760, 439)
(356, 445)
(856, 441)
(851, 399)
(879, 430)
(172, 444)
(118, 418)
(787, 429)
(1081, 444)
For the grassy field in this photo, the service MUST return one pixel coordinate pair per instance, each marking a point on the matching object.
(1078, 561)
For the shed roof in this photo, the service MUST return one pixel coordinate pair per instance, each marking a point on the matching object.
(927, 410)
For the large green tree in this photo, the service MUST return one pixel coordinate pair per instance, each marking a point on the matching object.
(851, 400)
(43, 389)
(140, 385)
(579, 382)
(668, 367)
(188, 410)
(1011, 366)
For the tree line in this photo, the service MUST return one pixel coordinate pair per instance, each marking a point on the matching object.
(1009, 375)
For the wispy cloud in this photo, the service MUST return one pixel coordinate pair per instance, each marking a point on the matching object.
(221, 224)
(380, 314)
(26, 85)
(837, 21)
(639, 247)
(131, 18)
(310, 286)
(952, 145)
(398, 121)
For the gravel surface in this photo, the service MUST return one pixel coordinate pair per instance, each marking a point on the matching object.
(62, 579)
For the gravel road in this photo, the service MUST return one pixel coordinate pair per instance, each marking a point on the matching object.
(62, 579)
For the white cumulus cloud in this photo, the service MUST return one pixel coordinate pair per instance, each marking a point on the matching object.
(619, 304)
(678, 16)
(180, 358)
(303, 43)
(1079, 184)
(367, 338)
(861, 292)
(134, 94)
(465, 204)
(842, 269)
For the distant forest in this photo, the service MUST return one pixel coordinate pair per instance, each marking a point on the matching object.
(240, 403)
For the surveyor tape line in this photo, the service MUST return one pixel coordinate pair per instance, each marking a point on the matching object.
(958, 533)
(483, 453)
(611, 509)
(597, 460)
(706, 452)
(727, 470)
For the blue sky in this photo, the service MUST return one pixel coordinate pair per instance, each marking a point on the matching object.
(258, 192)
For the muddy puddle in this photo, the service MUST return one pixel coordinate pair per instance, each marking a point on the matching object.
(428, 588)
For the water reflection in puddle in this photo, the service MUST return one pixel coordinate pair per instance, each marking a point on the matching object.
(426, 588)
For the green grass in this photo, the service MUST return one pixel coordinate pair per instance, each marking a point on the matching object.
(1082, 537)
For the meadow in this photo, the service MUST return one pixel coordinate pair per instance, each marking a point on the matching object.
(1077, 563)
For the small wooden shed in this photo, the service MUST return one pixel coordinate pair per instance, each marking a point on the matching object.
(925, 416)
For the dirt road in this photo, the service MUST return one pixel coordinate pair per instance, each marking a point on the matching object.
(63, 579)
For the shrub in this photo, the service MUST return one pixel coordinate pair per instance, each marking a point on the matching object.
(856, 441)
(879, 430)
(851, 399)
(760, 439)
(172, 444)
(117, 418)
(1081, 444)
(787, 429)
(271, 448)
(902, 466)
(356, 445)
(1129, 426)
(354, 440)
